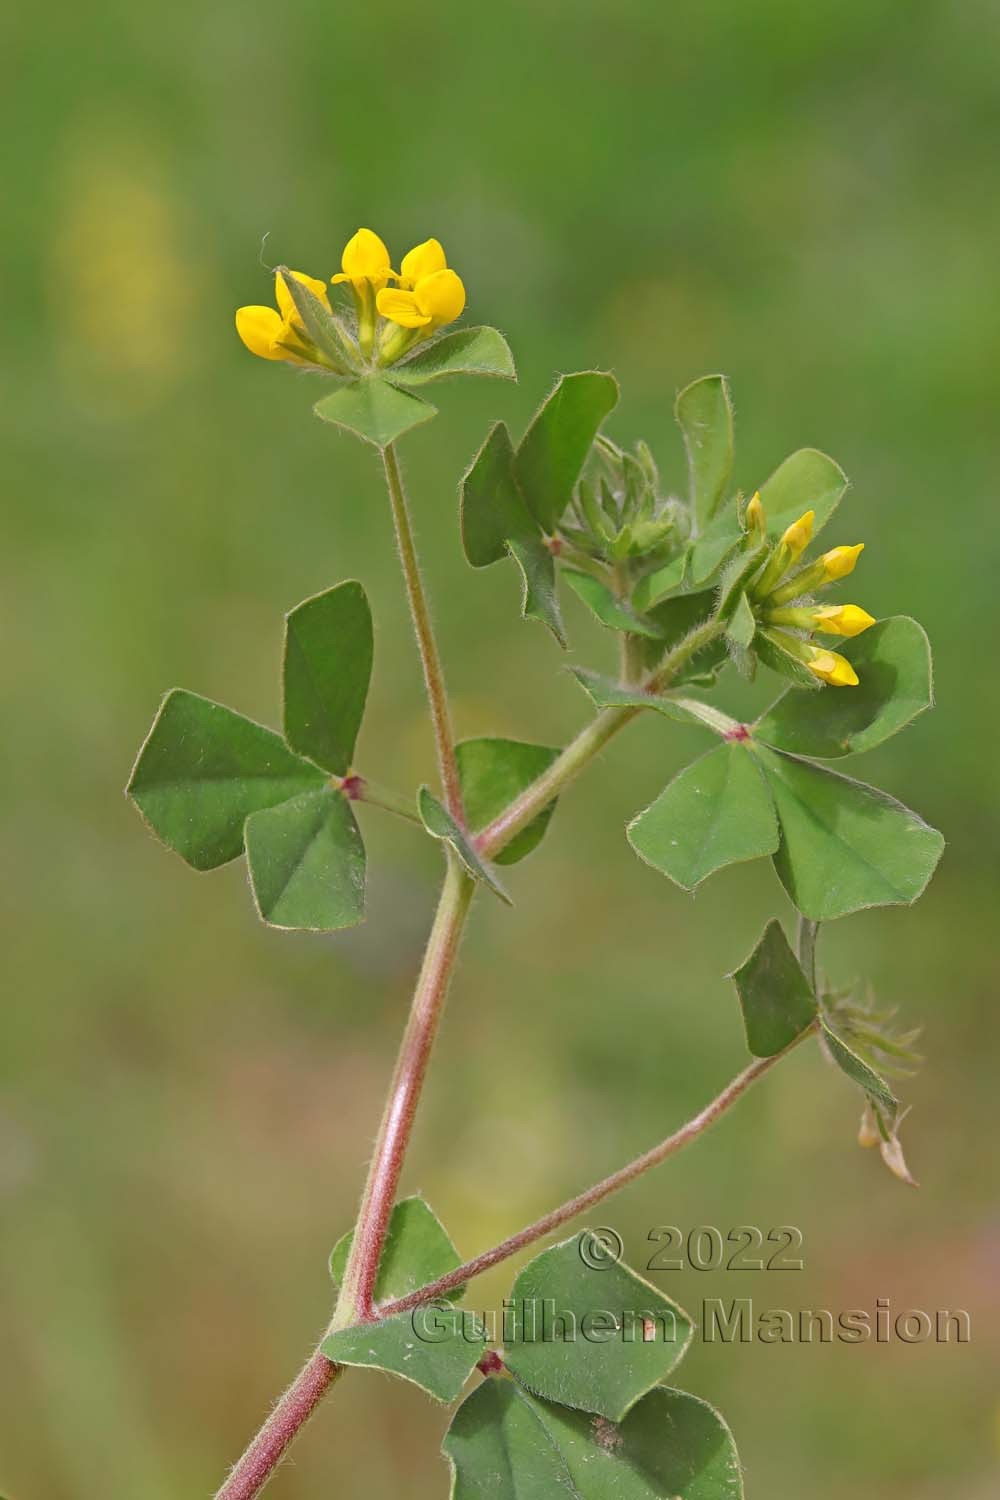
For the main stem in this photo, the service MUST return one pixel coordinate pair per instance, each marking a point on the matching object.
(293, 1410)
(296, 1406)
(357, 1293)
(430, 659)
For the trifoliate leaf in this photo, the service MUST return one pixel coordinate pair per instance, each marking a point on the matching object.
(327, 669)
(704, 412)
(845, 846)
(467, 351)
(596, 1339)
(204, 769)
(555, 447)
(716, 812)
(505, 1444)
(307, 863)
(374, 410)
(776, 997)
(893, 663)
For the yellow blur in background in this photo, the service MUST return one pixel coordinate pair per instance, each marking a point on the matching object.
(799, 196)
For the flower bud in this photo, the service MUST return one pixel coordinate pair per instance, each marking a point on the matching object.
(842, 619)
(830, 619)
(798, 536)
(756, 520)
(832, 668)
(840, 561)
(869, 1134)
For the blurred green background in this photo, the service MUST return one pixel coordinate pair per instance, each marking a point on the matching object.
(802, 196)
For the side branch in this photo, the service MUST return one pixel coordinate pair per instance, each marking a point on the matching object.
(556, 1217)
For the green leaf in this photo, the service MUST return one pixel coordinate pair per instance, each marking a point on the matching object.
(596, 1339)
(893, 662)
(436, 1347)
(321, 326)
(742, 625)
(807, 480)
(307, 863)
(606, 693)
(493, 772)
(203, 769)
(609, 609)
(776, 997)
(441, 825)
(539, 600)
(374, 410)
(705, 414)
(328, 666)
(662, 581)
(504, 1444)
(714, 546)
(860, 1073)
(492, 509)
(845, 846)
(468, 351)
(555, 447)
(715, 812)
(417, 1251)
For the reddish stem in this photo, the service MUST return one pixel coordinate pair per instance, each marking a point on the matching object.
(358, 1290)
(272, 1442)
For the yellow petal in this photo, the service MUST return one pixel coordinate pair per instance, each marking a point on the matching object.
(832, 668)
(842, 619)
(402, 308)
(260, 328)
(365, 258)
(840, 561)
(422, 260)
(798, 536)
(441, 296)
(283, 296)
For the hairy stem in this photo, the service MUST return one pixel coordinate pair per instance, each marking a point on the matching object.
(357, 1292)
(249, 1476)
(297, 1405)
(556, 1217)
(258, 1463)
(430, 659)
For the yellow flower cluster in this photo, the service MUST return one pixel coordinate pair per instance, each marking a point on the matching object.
(426, 296)
(777, 588)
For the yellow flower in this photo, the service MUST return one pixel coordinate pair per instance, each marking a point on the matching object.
(798, 536)
(840, 561)
(841, 619)
(435, 300)
(429, 294)
(365, 261)
(423, 260)
(278, 334)
(832, 668)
